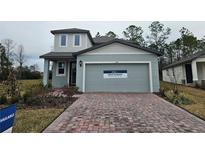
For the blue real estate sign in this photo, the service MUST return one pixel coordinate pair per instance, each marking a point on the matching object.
(7, 116)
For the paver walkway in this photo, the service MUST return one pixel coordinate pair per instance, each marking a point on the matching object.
(120, 112)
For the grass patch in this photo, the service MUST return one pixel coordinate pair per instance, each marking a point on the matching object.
(197, 96)
(24, 85)
(34, 120)
(37, 106)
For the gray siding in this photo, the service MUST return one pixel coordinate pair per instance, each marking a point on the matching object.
(59, 81)
(120, 57)
(85, 43)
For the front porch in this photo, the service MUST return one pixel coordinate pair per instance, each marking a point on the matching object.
(195, 72)
(63, 67)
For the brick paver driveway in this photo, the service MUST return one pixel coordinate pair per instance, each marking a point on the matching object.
(118, 112)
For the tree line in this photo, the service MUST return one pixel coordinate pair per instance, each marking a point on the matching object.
(13, 59)
(158, 39)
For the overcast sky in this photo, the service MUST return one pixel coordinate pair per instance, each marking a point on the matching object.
(37, 39)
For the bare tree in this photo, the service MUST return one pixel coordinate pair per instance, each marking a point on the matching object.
(20, 58)
(9, 47)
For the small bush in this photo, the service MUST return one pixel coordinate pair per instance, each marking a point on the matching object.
(181, 100)
(49, 85)
(185, 101)
(3, 99)
(14, 99)
(70, 91)
(34, 101)
(178, 99)
(162, 92)
(76, 89)
(26, 95)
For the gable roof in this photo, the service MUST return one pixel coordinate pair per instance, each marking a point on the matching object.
(117, 41)
(73, 30)
(102, 39)
(186, 60)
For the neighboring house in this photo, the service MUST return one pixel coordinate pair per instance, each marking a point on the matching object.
(190, 70)
(100, 64)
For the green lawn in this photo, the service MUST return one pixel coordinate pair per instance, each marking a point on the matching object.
(23, 84)
(197, 96)
(34, 120)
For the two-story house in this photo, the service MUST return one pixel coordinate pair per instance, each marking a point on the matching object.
(100, 64)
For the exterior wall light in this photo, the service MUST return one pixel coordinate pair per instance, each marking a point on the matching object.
(80, 63)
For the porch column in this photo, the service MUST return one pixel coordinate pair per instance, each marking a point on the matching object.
(68, 72)
(194, 71)
(46, 72)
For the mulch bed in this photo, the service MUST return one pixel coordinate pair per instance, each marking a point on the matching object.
(49, 103)
(55, 98)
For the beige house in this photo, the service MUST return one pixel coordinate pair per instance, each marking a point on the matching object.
(189, 71)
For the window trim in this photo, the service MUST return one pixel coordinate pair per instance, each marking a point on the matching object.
(66, 41)
(57, 68)
(74, 40)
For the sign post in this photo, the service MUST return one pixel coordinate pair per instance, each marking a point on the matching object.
(7, 116)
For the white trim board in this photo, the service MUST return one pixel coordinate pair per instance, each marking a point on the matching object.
(119, 62)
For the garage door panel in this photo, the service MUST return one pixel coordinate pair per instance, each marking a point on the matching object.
(137, 80)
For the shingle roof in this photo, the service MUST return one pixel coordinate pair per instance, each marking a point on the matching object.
(57, 55)
(73, 30)
(186, 60)
(70, 30)
(117, 41)
(102, 39)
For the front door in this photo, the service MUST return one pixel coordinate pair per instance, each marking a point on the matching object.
(72, 73)
(189, 77)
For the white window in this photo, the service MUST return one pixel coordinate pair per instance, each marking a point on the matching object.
(60, 71)
(63, 40)
(77, 40)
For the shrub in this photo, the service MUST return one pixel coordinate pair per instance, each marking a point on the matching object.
(26, 95)
(70, 91)
(75, 89)
(34, 101)
(12, 86)
(162, 92)
(185, 100)
(14, 99)
(3, 99)
(178, 99)
(49, 85)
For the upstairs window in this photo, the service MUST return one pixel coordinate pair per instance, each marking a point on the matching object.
(63, 40)
(61, 69)
(77, 40)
